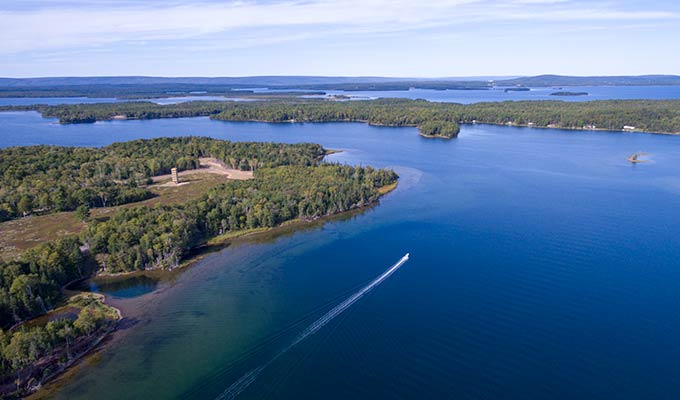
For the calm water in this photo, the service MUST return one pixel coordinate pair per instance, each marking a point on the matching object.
(129, 287)
(498, 94)
(25, 101)
(450, 96)
(543, 265)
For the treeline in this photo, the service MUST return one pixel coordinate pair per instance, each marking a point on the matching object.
(122, 91)
(40, 179)
(32, 285)
(88, 113)
(149, 238)
(645, 115)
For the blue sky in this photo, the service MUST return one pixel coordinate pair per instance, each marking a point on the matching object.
(435, 38)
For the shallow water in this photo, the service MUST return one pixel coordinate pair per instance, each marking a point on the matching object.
(119, 287)
(543, 265)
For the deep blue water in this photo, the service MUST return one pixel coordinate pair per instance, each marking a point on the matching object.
(543, 265)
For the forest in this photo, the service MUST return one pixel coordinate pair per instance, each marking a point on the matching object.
(32, 285)
(159, 237)
(647, 115)
(151, 238)
(63, 178)
(31, 354)
(661, 116)
(43, 179)
(290, 183)
(443, 129)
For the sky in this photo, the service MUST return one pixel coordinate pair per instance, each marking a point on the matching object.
(399, 38)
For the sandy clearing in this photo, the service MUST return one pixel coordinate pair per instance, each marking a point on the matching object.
(208, 166)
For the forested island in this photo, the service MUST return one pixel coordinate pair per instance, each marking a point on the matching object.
(659, 116)
(569, 94)
(289, 183)
(517, 89)
(136, 87)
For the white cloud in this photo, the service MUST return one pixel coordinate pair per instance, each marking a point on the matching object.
(71, 26)
(539, 1)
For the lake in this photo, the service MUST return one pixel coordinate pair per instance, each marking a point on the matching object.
(26, 101)
(499, 94)
(449, 96)
(543, 265)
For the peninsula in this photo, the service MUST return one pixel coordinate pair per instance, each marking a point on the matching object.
(118, 211)
(655, 116)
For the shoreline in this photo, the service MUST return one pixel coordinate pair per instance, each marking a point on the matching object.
(436, 136)
(211, 246)
(76, 359)
(210, 116)
(575, 128)
(218, 243)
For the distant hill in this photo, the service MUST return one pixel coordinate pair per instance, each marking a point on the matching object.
(560, 80)
(247, 81)
(149, 86)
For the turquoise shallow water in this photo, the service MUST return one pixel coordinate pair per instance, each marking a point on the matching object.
(543, 265)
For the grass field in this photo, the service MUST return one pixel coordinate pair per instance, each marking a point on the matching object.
(21, 234)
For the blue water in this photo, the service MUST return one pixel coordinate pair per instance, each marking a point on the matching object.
(25, 101)
(543, 265)
(450, 96)
(119, 287)
(499, 94)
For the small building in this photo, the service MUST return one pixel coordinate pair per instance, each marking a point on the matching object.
(628, 128)
(175, 177)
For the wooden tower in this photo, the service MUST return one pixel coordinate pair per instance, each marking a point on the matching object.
(175, 177)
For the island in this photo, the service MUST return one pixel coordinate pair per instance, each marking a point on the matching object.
(439, 129)
(569, 93)
(517, 89)
(652, 116)
(137, 206)
(123, 87)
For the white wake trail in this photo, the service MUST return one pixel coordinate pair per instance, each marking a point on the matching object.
(240, 385)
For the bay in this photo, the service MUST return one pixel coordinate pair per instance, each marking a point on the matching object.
(542, 93)
(449, 96)
(543, 265)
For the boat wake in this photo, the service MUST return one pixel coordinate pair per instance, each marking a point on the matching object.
(240, 385)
